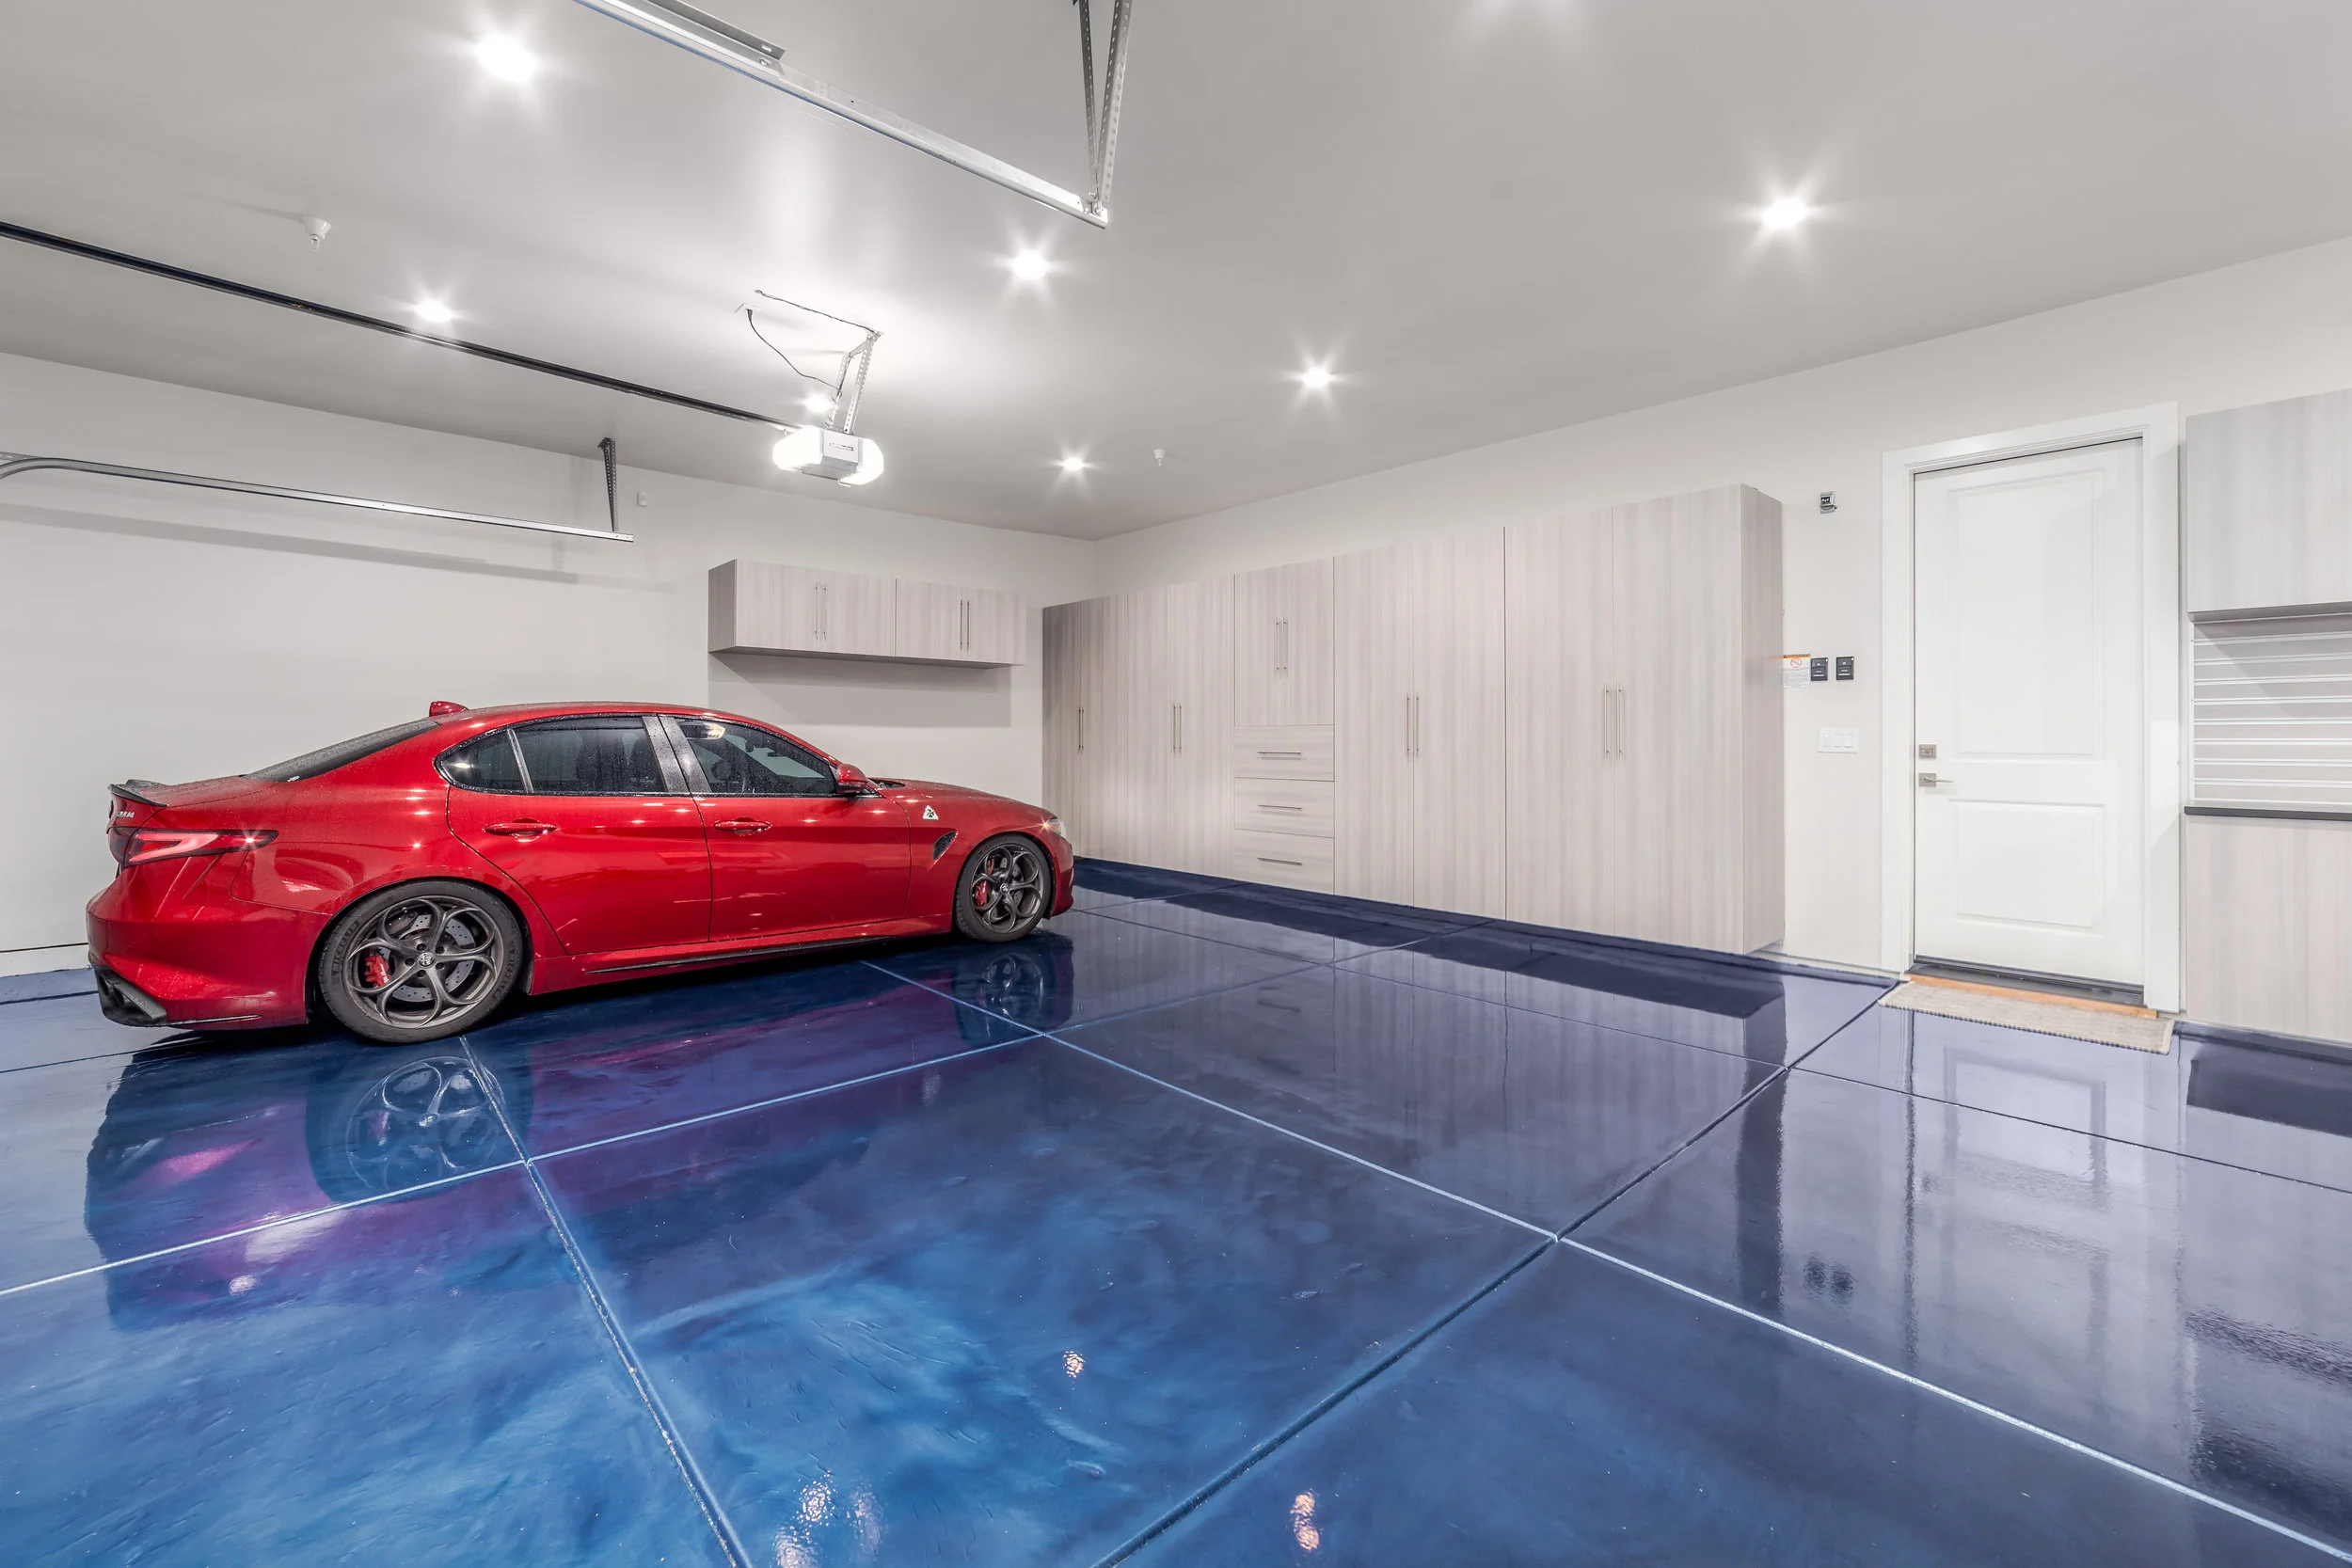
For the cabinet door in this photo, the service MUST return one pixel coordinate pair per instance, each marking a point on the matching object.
(994, 627)
(1372, 604)
(1566, 792)
(1073, 706)
(1195, 624)
(1419, 753)
(2265, 509)
(1134, 731)
(931, 620)
(1455, 765)
(1282, 646)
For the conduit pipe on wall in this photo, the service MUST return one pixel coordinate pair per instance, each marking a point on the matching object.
(10, 467)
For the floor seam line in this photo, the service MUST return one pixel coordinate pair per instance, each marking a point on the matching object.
(1311, 1143)
(1266, 1448)
(1998, 1414)
(1376, 948)
(713, 1515)
(1778, 1074)
(178, 1247)
(779, 1099)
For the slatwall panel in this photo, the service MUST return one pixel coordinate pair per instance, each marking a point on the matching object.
(2274, 712)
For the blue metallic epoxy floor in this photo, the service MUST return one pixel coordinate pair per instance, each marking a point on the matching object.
(1212, 1224)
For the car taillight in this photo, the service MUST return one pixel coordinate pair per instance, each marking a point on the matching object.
(162, 844)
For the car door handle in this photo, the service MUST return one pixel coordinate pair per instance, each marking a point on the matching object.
(524, 829)
(743, 825)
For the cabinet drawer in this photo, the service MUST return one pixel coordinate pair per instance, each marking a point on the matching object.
(1284, 806)
(1286, 859)
(1282, 751)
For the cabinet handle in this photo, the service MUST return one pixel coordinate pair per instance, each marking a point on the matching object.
(1176, 727)
(1281, 753)
(1265, 805)
(963, 626)
(1604, 723)
(1082, 729)
(1269, 859)
(1625, 711)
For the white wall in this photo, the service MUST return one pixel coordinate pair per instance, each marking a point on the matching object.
(178, 634)
(2272, 329)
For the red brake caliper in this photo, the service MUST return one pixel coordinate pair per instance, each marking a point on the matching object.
(376, 970)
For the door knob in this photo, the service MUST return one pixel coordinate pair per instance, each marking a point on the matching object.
(524, 829)
(743, 825)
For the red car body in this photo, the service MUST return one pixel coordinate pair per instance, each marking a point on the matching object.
(606, 887)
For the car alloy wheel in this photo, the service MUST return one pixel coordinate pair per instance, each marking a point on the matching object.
(1006, 888)
(420, 962)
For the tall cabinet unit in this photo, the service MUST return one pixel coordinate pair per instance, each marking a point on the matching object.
(1282, 809)
(1643, 773)
(1418, 701)
(1137, 697)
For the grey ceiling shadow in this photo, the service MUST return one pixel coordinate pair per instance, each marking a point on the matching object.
(237, 538)
(803, 688)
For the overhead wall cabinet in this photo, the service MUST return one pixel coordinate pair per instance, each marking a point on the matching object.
(762, 607)
(2268, 506)
(1577, 723)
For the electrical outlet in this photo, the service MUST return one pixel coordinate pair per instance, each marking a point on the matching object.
(1843, 741)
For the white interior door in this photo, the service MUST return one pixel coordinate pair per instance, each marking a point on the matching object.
(2030, 715)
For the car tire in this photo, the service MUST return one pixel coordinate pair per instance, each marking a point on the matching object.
(1006, 888)
(421, 962)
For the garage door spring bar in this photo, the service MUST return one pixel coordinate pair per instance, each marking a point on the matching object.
(10, 467)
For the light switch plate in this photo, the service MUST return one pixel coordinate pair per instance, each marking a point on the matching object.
(1841, 741)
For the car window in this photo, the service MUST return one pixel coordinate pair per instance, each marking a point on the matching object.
(487, 763)
(606, 754)
(309, 765)
(738, 759)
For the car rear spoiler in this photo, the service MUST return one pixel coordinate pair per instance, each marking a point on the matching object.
(129, 790)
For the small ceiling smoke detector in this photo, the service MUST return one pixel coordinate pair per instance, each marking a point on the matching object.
(316, 229)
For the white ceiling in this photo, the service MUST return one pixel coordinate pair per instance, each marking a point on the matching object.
(1492, 216)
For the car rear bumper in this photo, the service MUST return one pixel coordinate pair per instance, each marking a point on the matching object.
(224, 964)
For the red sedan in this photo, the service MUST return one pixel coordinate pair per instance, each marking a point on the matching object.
(410, 880)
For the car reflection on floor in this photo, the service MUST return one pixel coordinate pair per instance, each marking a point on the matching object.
(204, 1139)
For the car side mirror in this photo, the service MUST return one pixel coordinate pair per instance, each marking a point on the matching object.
(853, 782)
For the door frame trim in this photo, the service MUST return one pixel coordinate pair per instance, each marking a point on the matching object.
(2157, 428)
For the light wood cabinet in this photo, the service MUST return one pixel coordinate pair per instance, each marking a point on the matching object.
(2269, 505)
(1282, 646)
(2274, 901)
(1136, 739)
(943, 623)
(1574, 723)
(1418, 698)
(761, 607)
(1644, 753)
(757, 607)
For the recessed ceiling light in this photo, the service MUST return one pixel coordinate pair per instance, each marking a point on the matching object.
(433, 313)
(1030, 265)
(1315, 377)
(505, 59)
(817, 403)
(1073, 465)
(1787, 213)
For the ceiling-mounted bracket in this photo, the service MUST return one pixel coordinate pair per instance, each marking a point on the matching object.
(700, 33)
